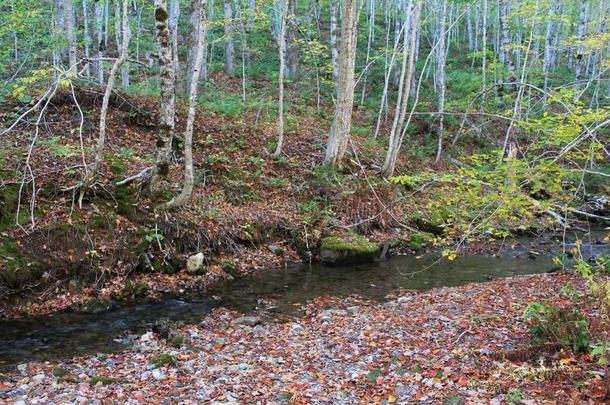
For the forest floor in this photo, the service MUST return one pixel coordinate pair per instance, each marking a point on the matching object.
(467, 344)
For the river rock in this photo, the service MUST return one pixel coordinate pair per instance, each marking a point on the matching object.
(194, 264)
(352, 249)
(158, 374)
(276, 250)
(247, 321)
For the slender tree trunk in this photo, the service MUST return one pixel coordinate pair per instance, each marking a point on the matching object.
(440, 72)
(99, 147)
(229, 44)
(506, 40)
(87, 38)
(69, 24)
(582, 32)
(167, 110)
(292, 47)
(371, 38)
(252, 12)
(174, 15)
(99, 40)
(282, 54)
(401, 110)
(189, 178)
(334, 53)
(484, 43)
(340, 130)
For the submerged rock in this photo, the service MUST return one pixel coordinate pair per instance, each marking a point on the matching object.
(350, 250)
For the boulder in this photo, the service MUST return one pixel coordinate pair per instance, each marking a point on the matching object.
(353, 249)
(194, 264)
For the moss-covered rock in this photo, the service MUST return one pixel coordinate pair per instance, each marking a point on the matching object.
(420, 240)
(96, 306)
(103, 380)
(352, 249)
(163, 359)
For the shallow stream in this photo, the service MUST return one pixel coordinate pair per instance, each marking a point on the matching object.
(69, 334)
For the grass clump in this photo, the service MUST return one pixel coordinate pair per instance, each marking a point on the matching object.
(163, 359)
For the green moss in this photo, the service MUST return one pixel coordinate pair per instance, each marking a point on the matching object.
(104, 380)
(126, 203)
(17, 268)
(9, 196)
(176, 341)
(60, 372)
(352, 244)
(420, 240)
(95, 306)
(163, 359)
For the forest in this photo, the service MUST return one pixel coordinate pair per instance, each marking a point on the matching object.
(305, 201)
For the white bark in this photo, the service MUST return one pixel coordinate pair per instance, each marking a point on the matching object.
(86, 37)
(334, 53)
(340, 130)
(69, 25)
(407, 73)
(282, 54)
(440, 72)
(582, 32)
(99, 40)
(99, 147)
(187, 188)
(167, 101)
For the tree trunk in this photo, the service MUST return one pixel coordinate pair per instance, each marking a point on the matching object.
(174, 15)
(167, 110)
(99, 40)
(282, 53)
(99, 147)
(334, 53)
(87, 38)
(440, 72)
(506, 41)
(189, 180)
(229, 45)
(396, 135)
(340, 130)
(582, 31)
(370, 39)
(292, 48)
(69, 25)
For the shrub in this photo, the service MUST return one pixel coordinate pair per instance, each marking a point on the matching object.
(554, 324)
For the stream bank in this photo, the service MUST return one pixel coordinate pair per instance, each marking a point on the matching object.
(432, 346)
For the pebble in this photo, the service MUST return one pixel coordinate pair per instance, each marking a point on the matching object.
(247, 321)
(158, 374)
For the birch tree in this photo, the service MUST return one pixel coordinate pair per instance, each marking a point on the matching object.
(406, 77)
(282, 54)
(167, 100)
(440, 76)
(99, 147)
(187, 188)
(334, 53)
(69, 25)
(582, 32)
(341, 127)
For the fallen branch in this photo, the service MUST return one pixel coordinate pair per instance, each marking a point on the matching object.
(129, 179)
(582, 213)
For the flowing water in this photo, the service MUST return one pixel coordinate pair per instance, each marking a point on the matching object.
(70, 334)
